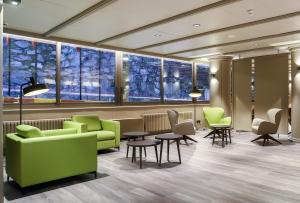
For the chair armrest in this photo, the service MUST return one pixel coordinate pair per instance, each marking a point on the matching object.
(226, 120)
(185, 128)
(80, 127)
(113, 126)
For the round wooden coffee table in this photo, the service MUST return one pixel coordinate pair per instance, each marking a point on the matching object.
(223, 131)
(134, 136)
(140, 144)
(169, 137)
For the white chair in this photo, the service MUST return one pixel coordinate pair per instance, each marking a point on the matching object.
(266, 127)
(184, 128)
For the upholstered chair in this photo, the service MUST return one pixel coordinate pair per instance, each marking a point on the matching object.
(266, 127)
(215, 116)
(183, 128)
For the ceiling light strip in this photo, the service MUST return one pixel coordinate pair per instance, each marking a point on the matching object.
(170, 19)
(237, 42)
(80, 15)
(242, 25)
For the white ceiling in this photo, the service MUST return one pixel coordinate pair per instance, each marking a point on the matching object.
(39, 16)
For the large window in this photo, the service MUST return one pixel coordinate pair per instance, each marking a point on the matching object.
(177, 81)
(23, 59)
(141, 78)
(87, 74)
(202, 81)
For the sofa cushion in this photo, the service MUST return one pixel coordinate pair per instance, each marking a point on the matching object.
(28, 131)
(105, 135)
(92, 121)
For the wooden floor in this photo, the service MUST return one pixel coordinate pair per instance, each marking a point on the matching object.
(240, 172)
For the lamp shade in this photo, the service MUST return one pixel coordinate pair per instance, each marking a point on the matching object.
(35, 89)
(195, 93)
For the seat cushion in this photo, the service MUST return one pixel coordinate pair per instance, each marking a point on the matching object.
(28, 131)
(105, 135)
(92, 121)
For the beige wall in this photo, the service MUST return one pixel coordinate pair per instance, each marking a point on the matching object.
(11, 113)
(220, 85)
(271, 84)
(242, 94)
(295, 94)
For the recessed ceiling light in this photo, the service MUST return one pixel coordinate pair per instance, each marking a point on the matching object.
(157, 35)
(231, 36)
(250, 11)
(13, 2)
(196, 25)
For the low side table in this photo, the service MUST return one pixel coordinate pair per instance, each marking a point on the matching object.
(168, 138)
(223, 130)
(134, 136)
(142, 144)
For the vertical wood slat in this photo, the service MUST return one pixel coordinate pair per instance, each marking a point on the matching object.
(242, 101)
(159, 122)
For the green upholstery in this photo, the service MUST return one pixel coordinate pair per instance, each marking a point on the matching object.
(28, 131)
(105, 135)
(36, 160)
(108, 137)
(91, 121)
(59, 132)
(215, 115)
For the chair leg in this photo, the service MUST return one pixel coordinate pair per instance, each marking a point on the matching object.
(258, 138)
(189, 138)
(272, 138)
(210, 133)
(156, 153)
(264, 141)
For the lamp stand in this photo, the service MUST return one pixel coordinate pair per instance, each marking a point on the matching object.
(21, 99)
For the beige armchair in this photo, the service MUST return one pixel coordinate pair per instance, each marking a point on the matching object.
(184, 128)
(266, 127)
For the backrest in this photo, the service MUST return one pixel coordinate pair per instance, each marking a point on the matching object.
(92, 121)
(274, 116)
(173, 118)
(213, 115)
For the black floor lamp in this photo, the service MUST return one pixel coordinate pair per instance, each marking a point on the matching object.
(195, 94)
(32, 89)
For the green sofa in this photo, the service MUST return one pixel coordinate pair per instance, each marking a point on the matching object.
(34, 156)
(214, 116)
(108, 131)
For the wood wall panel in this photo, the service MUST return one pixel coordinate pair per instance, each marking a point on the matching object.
(242, 94)
(271, 73)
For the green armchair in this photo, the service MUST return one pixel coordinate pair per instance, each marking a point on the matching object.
(215, 115)
(108, 131)
(42, 156)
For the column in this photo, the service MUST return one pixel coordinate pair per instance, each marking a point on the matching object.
(220, 82)
(295, 94)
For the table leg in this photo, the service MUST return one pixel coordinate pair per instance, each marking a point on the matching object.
(144, 147)
(214, 136)
(127, 148)
(161, 148)
(132, 154)
(225, 134)
(222, 134)
(140, 157)
(156, 153)
(229, 132)
(178, 149)
(168, 151)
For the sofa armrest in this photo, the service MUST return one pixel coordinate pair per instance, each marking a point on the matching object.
(226, 120)
(80, 127)
(114, 126)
